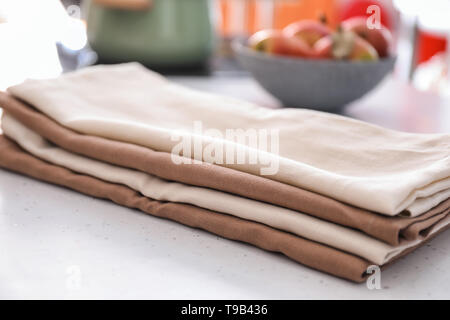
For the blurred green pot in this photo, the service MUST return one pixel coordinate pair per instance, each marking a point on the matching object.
(157, 33)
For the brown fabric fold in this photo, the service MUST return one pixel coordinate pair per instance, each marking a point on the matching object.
(389, 229)
(306, 252)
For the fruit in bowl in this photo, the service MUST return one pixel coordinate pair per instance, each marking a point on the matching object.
(345, 45)
(380, 39)
(353, 40)
(270, 41)
(306, 32)
(307, 65)
(274, 42)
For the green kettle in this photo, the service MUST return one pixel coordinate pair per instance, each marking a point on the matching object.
(157, 33)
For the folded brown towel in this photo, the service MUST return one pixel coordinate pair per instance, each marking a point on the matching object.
(389, 229)
(309, 253)
(306, 252)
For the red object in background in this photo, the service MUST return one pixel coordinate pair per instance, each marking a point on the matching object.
(428, 45)
(357, 8)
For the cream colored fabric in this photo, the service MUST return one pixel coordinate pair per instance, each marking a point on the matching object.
(298, 223)
(355, 162)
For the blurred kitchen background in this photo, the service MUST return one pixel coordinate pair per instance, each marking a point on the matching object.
(43, 38)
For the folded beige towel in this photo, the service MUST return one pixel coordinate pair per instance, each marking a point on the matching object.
(393, 230)
(355, 162)
(300, 224)
(307, 252)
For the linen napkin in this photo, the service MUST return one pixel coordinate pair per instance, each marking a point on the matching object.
(306, 252)
(392, 230)
(360, 164)
(309, 253)
(287, 220)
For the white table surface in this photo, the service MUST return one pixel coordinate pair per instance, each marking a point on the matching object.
(55, 243)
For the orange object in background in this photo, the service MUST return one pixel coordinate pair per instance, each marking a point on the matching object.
(429, 45)
(287, 12)
(244, 17)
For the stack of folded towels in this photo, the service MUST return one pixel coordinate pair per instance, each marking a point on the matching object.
(345, 194)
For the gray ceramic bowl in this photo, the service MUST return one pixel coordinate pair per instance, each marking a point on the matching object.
(325, 85)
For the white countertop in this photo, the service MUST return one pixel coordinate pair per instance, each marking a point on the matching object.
(55, 243)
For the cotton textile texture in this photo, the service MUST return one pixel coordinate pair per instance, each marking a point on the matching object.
(287, 220)
(360, 164)
(306, 252)
(392, 230)
(309, 253)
